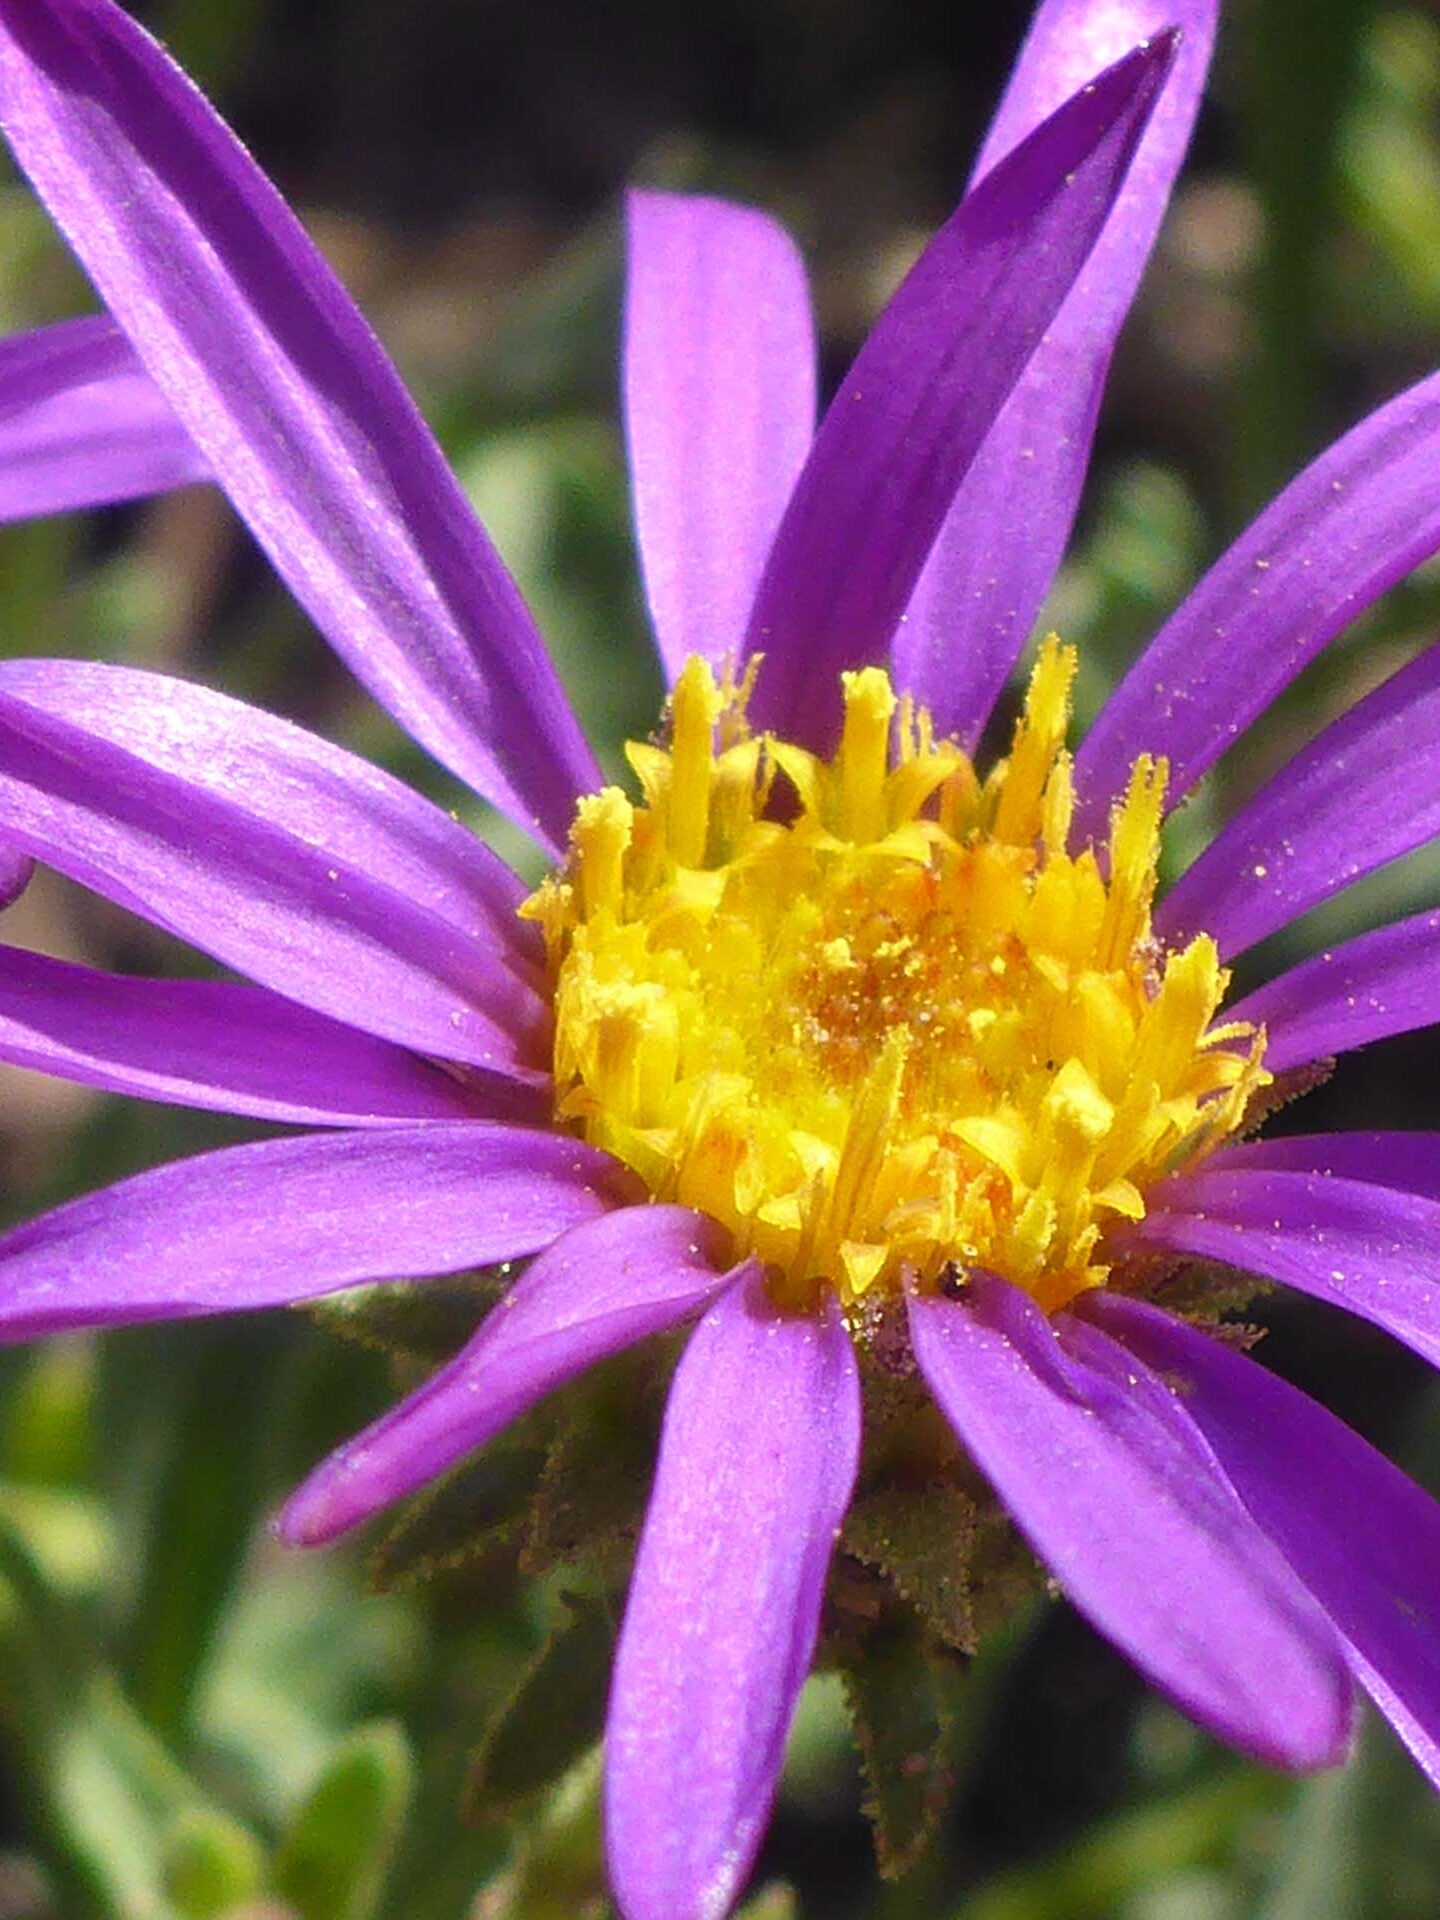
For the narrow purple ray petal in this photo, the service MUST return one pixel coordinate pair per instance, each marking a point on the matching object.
(15, 871)
(1409, 1162)
(719, 408)
(1362, 1247)
(1352, 524)
(1363, 1537)
(203, 1043)
(1381, 983)
(996, 554)
(83, 425)
(286, 1220)
(603, 1286)
(281, 772)
(313, 924)
(275, 375)
(1127, 1508)
(925, 390)
(1334, 813)
(757, 1462)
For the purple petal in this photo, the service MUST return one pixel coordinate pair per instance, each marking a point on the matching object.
(282, 772)
(757, 1461)
(925, 390)
(1363, 1538)
(605, 1285)
(1125, 1505)
(719, 408)
(83, 425)
(1362, 1247)
(202, 1043)
(1385, 982)
(287, 859)
(996, 554)
(1339, 536)
(1409, 1162)
(15, 871)
(275, 375)
(288, 1220)
(1333, 814)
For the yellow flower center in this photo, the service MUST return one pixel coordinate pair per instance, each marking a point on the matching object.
(873, 1014)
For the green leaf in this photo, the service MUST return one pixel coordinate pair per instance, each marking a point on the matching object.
(558, 1872)
(418, 1324)
(46, 1433)
(474, 1519)
(554, 1715)
(210, 1864)
(105, 1789)
(591, 1497)
(904, 1697)
(207, 1461)
(332, 1862)
(921, 1541)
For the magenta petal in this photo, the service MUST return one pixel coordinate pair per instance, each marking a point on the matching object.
(82, 424)
(1385, 982)
(757, 1461)
(277, 378)
(925, 390)
(996, 554)
(287, 859)
(1359, 1246)
(1409, 1162)
(1127, 1508)
(203, 1043)
(1353, 523)
(15, 871)
(607, 1284)
(1333, 814)
(1364, 1539)
(287, 1220)
(719, 408)
(283, 773)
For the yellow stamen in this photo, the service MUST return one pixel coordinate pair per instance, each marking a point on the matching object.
(877, 1038)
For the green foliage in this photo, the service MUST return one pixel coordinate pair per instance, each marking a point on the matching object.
(904, 1696)
(209, 1865)
(554, 1716)
(332, 1860)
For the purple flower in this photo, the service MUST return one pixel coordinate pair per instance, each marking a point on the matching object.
(823, 1031)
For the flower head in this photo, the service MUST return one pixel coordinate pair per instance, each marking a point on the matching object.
(969, 1051)
(820, 1033)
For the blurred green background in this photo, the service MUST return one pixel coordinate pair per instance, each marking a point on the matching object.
(193, 1724)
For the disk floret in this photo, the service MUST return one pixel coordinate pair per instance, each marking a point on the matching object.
(872, 1013)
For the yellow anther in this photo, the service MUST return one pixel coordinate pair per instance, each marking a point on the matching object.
(875, 1039)
(695, 707)
(864, 755)
(1038, 739)
(599, 840)
(1134, 858)
(1057, 807)
(1078, 1113)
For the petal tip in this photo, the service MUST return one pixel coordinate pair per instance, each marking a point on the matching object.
(308, 1518)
